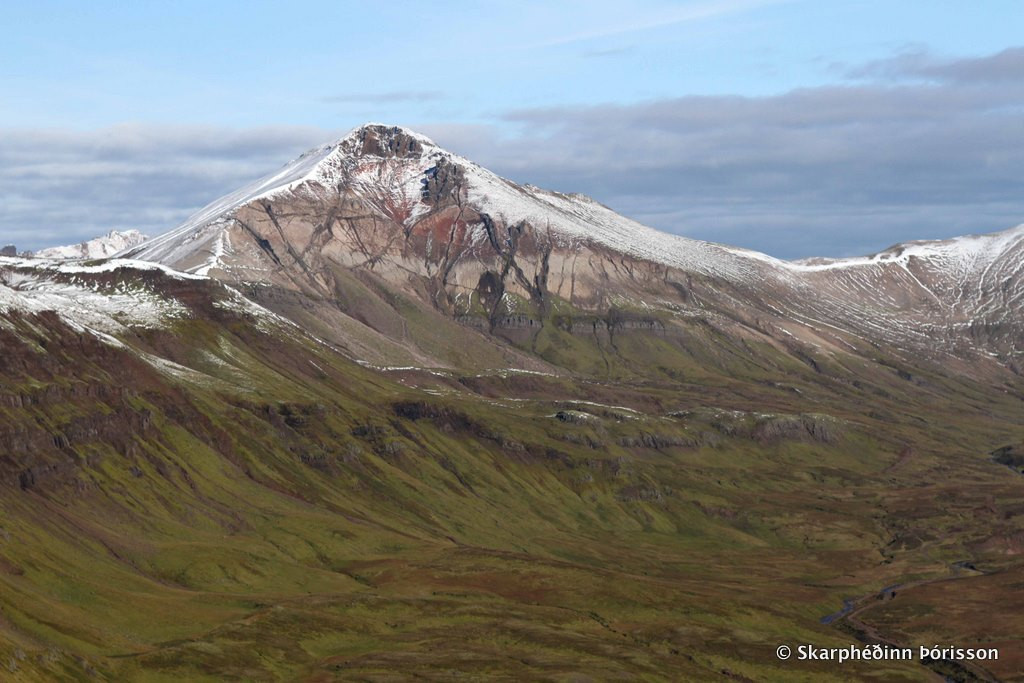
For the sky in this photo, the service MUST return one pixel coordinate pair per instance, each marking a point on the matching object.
(795, 127)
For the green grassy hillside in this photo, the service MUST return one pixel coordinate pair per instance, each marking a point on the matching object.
(672, 505)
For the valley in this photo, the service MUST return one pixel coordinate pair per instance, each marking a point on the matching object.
(387, 416)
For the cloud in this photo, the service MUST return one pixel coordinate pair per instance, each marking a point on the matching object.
(610, 52)
(60, 186)
(1003, 67)
(393, 97)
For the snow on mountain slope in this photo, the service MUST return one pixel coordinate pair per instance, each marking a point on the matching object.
(578, 218)
(959, 255)
(325, 165)
(195, 233)
(82, 300)
(963, 276)
(108, 298)
(99, 247)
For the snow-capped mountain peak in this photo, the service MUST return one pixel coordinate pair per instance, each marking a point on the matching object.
(382, 140)
(104, 246)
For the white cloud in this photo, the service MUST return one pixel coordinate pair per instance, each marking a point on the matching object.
(62, 186)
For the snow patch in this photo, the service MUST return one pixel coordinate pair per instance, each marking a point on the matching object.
(81, 302)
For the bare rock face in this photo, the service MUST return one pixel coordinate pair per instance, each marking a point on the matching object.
(387, 205)
(9, 250)
(1010, 456)
(386, 142)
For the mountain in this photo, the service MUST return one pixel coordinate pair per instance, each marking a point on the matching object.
(388, 201)
(384, 414)
(96, 248)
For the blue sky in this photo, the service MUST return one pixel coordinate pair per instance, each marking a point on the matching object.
(117, 115)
